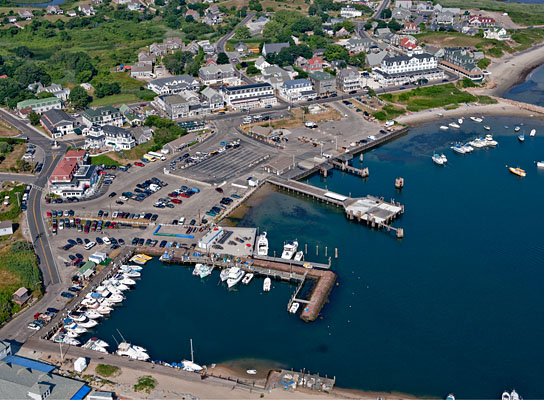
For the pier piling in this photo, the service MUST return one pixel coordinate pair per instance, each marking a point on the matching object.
(336, 252)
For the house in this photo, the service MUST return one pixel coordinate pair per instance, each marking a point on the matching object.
(118, 138)
(410, 28)
(168, 44)
(462, 61)
(249, 96)
(323, 82)
(374, 59)
(183, 105)
(142, 134)
(5, 349)
(310, 65)
(54, 10)
(350, 12)
(280, 165)
(348, 79)
(21, 296)
(240, 48)
(6, 228)
(192, 13)
(73, 176)
(276, 76)
(261, 63)
(87, 270)
(55, 89)
(382, 32)
(399, 70)
(496, 33)
(134, 5)
(174, 84)
(86, 9)
(146, 58)
(297, 90)
(341, 32)
(26, 14)
(213, 73)
(409, 44)
(71, 13)
(273, 48)
(406, 4)
(357, 45)
(102, 116)
(401, 14)
(444, 18)
(142, 70)
(57, 123)
(38, 105)
(207, 47)
(481, 22)
(213, 98)
(213, 16)
(256, 26)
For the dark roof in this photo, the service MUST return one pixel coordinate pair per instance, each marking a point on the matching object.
(243, 87)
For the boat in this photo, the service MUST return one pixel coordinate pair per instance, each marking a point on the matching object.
(540, 164)
(133, 267)
(458, 149)
(165, 256)
(489, 141)
(533, 132)
(450, 397)
(104, 309)
(235, 276)
(289, 250)
(90, 303)
(131, 351)
(487, 127)
(99, 342)
(478, 143)
(90, 323)
(247, 278)
(251, 371)
(517, 171)
(521, 137)
(125, 280)
(516, 129)
(92, 314)
(505, 396)
(444, 158)
(437, 159)
(224, 275)
(132, 274)
(505, 126)
(190, 366)
(514, 395)
(444, 127)
(61, 338)
(476, 119)
(461, 120)
(299, 256)
(205, 271)
(262, 245)
(294, 307)
(454, 125)
(468, 148)
(196, 270)
(75, 328)
(77, 316)
(267, 284)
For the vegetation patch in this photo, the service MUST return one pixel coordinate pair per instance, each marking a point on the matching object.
(146, 384)
(424, 98)
(108, 371)
(7, 130)
(104, 160)
(12, 211)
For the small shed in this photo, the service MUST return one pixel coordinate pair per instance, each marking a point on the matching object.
(21, 296)
(80, 364)
(98, 257)
(87, 270)
(6, 228)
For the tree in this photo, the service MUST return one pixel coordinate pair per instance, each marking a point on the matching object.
(34, 118)
(23, 52)
(79, 98)
(222, 58)
(5, 147)
(176, 63)
(84, 76)
(336, 52)
(394, 25)
(242, 33)
(358, 60)
(252, 70)
(45, 95)
(29, 73)
(386, 14)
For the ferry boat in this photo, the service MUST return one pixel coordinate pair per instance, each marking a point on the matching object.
(454, 125)
(517, 171)
(205, 271)
(131, 351)
(458, 149)
(487, 127)
(437, 159)
(262, 245)
(267, 284)
(235, 276)
(247, 279)
(533, 132)
(540, 164)
(521, 137)
(294, 307)
(289, 250)
(224, 275)
(489, 141)
(516, 129)
(476, 119)
(444, 127)
(299, 256)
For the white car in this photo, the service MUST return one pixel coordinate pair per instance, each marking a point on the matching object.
(106, 240)
(115, 214)
(34, 327)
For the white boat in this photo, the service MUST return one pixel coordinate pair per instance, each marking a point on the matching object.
(299, 256)
(476, 119)
(444, 158)
(505, 396)
(98, 342)
(251, 371)
(489, 141)
(521, 137)
(90, 303)
(454, 125)
(131, 351)
(267, 284)
(114, 298)
(437, 159)
(294, 307)
(95, 344)
(460, 121)
(104, 309)
(196, 270)
(60, 338)
(533, 132)
(132, 274)
(289, 250)
(235, 276)
(132, 267)
(72, 334)
(100, 288)
(205, 271)
(190, 366)
(92, 314)
(444, 127)
(540, 164)
(450, 397)
(487, 127)
(262, 245)
(516, 129)
(127, 281)
(468, 148)
(224, 275)
(247, 278)
(458, 149)
(477, 143)
(75, 328)
(514, 395)
(90, 323)
(77, 316)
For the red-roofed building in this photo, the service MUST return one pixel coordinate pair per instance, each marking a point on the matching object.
(64, 171)
(410, 28)
(73, 175)
(78, 155)
(480, 21)
(3, 76)
(408, 44)
(310, 65)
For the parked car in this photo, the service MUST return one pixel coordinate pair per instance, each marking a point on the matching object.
(68, 295)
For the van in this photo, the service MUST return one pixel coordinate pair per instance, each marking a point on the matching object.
(90, 245)
(106, 240)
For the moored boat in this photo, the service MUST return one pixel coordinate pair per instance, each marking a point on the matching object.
(196, 270)
(299, 256)
(267, 284)
(444, 127)
(262, 245)
(458, 149)
(540, 164)
(289, 250)
(476, 119)
(247, 278)
(516, 129)
(454, 125)
(131, 351)
(235, 276)
(461, 120)
(205, 271)
(487, 127)
(294, 307)
(489, 141)
(444, 158)
(521, 137)
(437, 159)
(224, 274)
(533, 132)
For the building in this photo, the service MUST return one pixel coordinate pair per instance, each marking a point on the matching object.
(213, 73)
(118, 138)
(404, 4)
(86, 9)
(401, 14)
(249, 96)
(142, 70)
(350, 12)
(213, 98)
(374, 59)
(276, 76)
(400, 70)
(102, 116)
(280, 165)
(73, 176)
(38, 105)
(146, 58)
(58, 123)
(168, 44)
(410, 28)
(256, 26)
(209, 238)
(21, 296)
(348, 79)
(192, 13)
(174, 84)
(54, 10)
(273, 48)
(463, 62)
(241, 48)
(5, 349)
(261, 63)
(57, 90)
(496, 34)
(310, 65)
(297, 90)
(6, 228)
(323, 82)
(142, 134)
(481, 22)
(357, 45)
(26, 14)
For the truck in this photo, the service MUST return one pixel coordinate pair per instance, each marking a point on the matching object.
(160, 156)
(150, 157)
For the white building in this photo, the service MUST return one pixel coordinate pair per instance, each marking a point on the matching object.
(297, 90)
(6, 228)
(496, 33)
(348, 79)
(407, 69)
(249, 96)
(107, 115)
(350, 12)
(174, 84)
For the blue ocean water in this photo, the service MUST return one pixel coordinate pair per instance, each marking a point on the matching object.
(453, 307)
(531, 90)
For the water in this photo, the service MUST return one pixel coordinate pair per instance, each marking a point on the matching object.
(43, 5)
(531, 90)
(453, 307)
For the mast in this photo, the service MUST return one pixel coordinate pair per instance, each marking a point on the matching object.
(192, 357)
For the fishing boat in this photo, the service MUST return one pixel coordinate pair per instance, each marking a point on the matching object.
(533, 132)
(299, 256)
(454, 125)
(517, 171)
(489, 141)
(516, 129)
(458, 149)
(205, 271)
(267, 284)
(247, 278)
(224, 275)
(196, 271)
(235, 276)
(487, 127)
(262, 245)
(437, 159)
(444, 127)
(289, 250)
(476, 119)
(131, 351)
(521, 137)
(540, 164)
(294, 307)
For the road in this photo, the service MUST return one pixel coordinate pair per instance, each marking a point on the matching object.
(382, 7)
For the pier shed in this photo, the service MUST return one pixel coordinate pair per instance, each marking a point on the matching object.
(372, 208)
(208, 239)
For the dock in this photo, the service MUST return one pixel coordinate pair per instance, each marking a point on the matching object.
(345, 167)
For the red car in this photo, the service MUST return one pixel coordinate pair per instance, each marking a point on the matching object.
(139, 164)
(184, 195)
(176, 201)
(48, 214)
(173, 194)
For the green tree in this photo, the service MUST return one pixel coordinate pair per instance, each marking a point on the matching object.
(242, 33)
(222, 58)
(79, 98)
(45, 95)
(335, 52)
(358, 60)
(23, 52)
(34, 118)
(252, 70)
(30, 73)
(5, 147)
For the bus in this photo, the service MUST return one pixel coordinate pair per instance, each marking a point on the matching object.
(160, 156)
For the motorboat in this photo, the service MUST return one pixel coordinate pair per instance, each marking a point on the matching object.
(99, 342)
(75, 328)
(132, 274)
(444, 127)
(267, 284)
(90, 303)
(518, 171)
(100, 288)
(92, 314)
(444, 158)
(450, 397)
(205, 271)
(476, 119)
(104, 309)
(60, 338)
(487, 127)
(540, 164)
(114, 298)
(235, 276)
(262, 245)
(454, 125)
(533, 132)
(516, 129)
(77, 316)
(437, 159)
(489, 141)
(460, 121)
(190, 366)
(224, 275)
(468, 148)
(132, 267)
(289, 250)
(251, 372)
(196, 270)
(127, 281)
(478, 143)
(247, 278)
(89, 323)
(458, 149)
(514, 395)
(131, 351)
(299, 256)
(521, 137)
(294, 307)
(505, 396)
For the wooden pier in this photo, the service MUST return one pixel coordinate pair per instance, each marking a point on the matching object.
(345, 167)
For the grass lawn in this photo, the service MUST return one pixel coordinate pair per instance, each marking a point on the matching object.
(528, 37)
(7, 130)
(275, 4)
(11, 158)
(107, 371)
(104, 160)
(12, 211)
(138, 151)
(115, 100)
(448, 39)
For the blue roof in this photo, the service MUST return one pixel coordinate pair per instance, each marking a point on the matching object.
(29, 363)
(81, 393)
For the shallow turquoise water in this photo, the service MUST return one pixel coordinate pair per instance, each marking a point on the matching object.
(453, 307)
